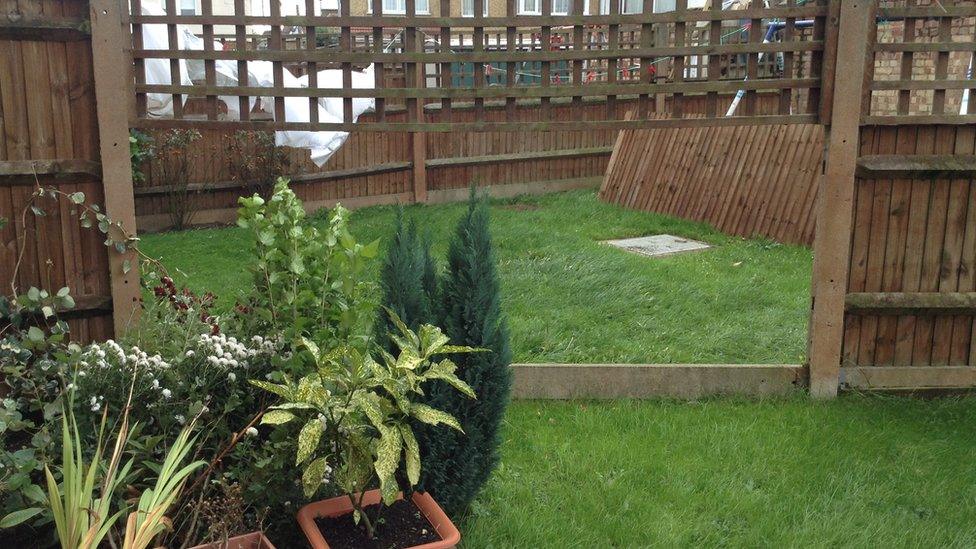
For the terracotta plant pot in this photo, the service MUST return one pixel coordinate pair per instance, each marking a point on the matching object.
(450, 536)
(254, 540)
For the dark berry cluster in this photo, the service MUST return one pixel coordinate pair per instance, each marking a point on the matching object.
(184, 301)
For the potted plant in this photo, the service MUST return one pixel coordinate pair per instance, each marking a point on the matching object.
(253, 540)
(357, 434)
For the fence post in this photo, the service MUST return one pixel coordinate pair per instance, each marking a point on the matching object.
(418, 142)
(832, 241)
(113, 80)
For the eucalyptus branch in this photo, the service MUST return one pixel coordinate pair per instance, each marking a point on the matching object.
(117, 237)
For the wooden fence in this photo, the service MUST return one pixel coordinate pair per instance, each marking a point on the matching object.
(744, 180)
(681, 38)
(912, 267)
(54, 135)
(896, 238)
(378, 168)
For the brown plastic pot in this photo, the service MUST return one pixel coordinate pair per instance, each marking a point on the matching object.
(335, 507)
(254, 540)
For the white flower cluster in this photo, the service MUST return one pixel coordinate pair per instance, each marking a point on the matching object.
(327, 475)
(225, 354)
(109, 353)
(226, 351)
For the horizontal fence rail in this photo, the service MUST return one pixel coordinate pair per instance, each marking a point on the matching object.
(448, 61)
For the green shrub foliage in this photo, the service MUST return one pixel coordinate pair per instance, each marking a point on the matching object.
(409, 282)
(457, 466)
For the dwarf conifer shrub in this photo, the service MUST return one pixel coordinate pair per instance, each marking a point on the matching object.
(456, 466)
(408, 280)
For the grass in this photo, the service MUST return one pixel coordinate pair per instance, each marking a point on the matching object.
(854, 472)
(570, 298)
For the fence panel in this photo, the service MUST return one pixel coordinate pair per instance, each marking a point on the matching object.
(651, 56)
(50, 137)
(909, 303)
(913, 251)
(376, 167)
(744, 180)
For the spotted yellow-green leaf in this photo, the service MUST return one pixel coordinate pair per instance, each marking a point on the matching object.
(387, 458)
(411, 454)
(368, 403)
(312, 476)
(281, 390)
(277, 417)
(311, 391)
(402, 343)
(408, 360)
(404, 330)
(308, 440)
(452, 349)
(294, 406)
(312, 348)
(444, 370)
(433, 416)
(431, 339)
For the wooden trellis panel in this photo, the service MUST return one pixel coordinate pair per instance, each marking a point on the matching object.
(633, 53)
(932, 33)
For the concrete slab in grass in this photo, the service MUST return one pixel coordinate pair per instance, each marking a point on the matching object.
(659, 245)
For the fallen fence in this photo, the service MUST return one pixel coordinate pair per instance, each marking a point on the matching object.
(744, 180)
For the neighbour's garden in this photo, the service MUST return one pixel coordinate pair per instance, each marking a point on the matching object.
(568, 297)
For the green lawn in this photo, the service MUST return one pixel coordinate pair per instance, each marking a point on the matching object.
(854, 472)
(570, 298)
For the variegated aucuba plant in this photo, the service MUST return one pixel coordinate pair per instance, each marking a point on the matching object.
(357, 411)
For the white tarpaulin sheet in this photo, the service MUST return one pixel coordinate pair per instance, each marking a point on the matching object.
(321, 144)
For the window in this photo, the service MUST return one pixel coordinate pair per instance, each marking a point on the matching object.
(559, 7)
(629, 7)
(330, 5)
(661, 6)
(530, 7)
(467, 8)
(564, 7)
(188, 7)
(399, 7)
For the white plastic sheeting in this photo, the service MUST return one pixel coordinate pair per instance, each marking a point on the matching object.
(321, 144)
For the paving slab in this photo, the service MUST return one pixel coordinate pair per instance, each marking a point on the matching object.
(659, 245)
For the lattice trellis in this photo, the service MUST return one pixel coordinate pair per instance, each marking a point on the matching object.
(931, 32)
(656, 59)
